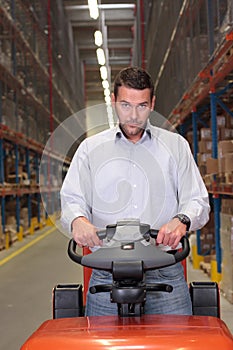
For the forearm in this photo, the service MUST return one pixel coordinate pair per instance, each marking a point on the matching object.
(192, 193)
(70, 210)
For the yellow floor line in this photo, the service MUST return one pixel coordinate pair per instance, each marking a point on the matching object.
(28, 245)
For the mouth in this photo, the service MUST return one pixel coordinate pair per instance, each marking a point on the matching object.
(134, 124)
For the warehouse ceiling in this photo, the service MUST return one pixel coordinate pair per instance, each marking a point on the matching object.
(117, 22)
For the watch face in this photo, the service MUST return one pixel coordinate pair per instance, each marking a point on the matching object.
(184, 219)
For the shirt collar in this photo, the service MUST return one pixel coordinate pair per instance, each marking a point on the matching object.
(147, 132)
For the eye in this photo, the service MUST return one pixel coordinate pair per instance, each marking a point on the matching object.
(125, 105)
(142, 107)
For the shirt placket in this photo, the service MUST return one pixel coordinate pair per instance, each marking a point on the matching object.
(133, 179)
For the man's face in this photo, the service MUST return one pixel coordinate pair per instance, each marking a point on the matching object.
(133, 108)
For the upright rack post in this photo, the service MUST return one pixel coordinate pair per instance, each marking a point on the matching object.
(195, 151)
(216, 198)
(195, 138)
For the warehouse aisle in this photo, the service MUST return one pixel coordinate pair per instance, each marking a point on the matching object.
(226, 307)
(28, 279)
(26, 285)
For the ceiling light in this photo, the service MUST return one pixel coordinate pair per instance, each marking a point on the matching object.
(107, 99)
(103, 73)
(100, 56)
(110, 114)
(98, 38)
(93, 8)
(106, 92)
(105, 84)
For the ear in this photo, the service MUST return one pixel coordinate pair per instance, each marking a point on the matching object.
(113, 100)
(113, 97)
(153, 102)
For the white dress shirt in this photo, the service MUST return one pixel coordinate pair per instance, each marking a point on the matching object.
(111, 178)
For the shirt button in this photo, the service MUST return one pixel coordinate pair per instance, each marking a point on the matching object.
(135, 206)
(134, 186)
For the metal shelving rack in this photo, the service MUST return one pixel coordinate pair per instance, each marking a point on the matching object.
(38, 91)
(193, 63)
(209, 87)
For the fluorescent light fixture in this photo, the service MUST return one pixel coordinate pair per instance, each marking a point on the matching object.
(98, 38)
(100, 56)
(110, 114)
(107, 100)
(103, 72)
(106, 92)
(93, 9)
(105, 84)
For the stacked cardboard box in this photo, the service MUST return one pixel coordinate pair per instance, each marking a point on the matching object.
(221, 167)
(205, 149)
(225, 160)
(207, 238)
(227, 248)
(206, 163)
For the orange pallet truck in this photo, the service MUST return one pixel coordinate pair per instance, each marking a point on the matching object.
(128, 260)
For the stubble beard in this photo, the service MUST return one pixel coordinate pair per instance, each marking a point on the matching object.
(135, 130)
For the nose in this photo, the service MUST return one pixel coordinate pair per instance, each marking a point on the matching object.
(134, 114)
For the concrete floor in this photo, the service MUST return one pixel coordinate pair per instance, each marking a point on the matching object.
(226, 310)
(28, 272)
(27, 281)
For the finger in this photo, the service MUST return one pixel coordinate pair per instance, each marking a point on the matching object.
(95, 239)
(167, 238)
(160, 237)
(176, 241)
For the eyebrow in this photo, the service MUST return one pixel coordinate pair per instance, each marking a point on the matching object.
(140, 103)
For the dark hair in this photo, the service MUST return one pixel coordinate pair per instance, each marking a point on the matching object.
(135, 78)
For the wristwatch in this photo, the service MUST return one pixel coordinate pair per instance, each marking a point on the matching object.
(184, 219)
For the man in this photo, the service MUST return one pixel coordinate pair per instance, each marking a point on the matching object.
(135, 170)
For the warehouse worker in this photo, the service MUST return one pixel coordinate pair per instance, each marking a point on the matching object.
(135, 170)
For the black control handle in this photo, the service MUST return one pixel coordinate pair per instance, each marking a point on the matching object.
(182, 254)
(72, 252)
(73, 246)
(179, 255)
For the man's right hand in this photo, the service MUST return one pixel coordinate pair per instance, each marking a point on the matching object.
(84, 233)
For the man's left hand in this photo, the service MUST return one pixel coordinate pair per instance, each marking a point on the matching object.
(171, 233)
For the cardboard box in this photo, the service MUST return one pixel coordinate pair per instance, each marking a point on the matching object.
(227, 206)
(225, 164)
(205, 133)
(225, 147)
(221, 165)
(226, 222)
(204, 146)
(211, 166)
(228, 163)
(202, 158)
(221, 121)
(225, 134)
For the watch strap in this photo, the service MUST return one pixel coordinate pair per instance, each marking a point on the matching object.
(184, 219)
